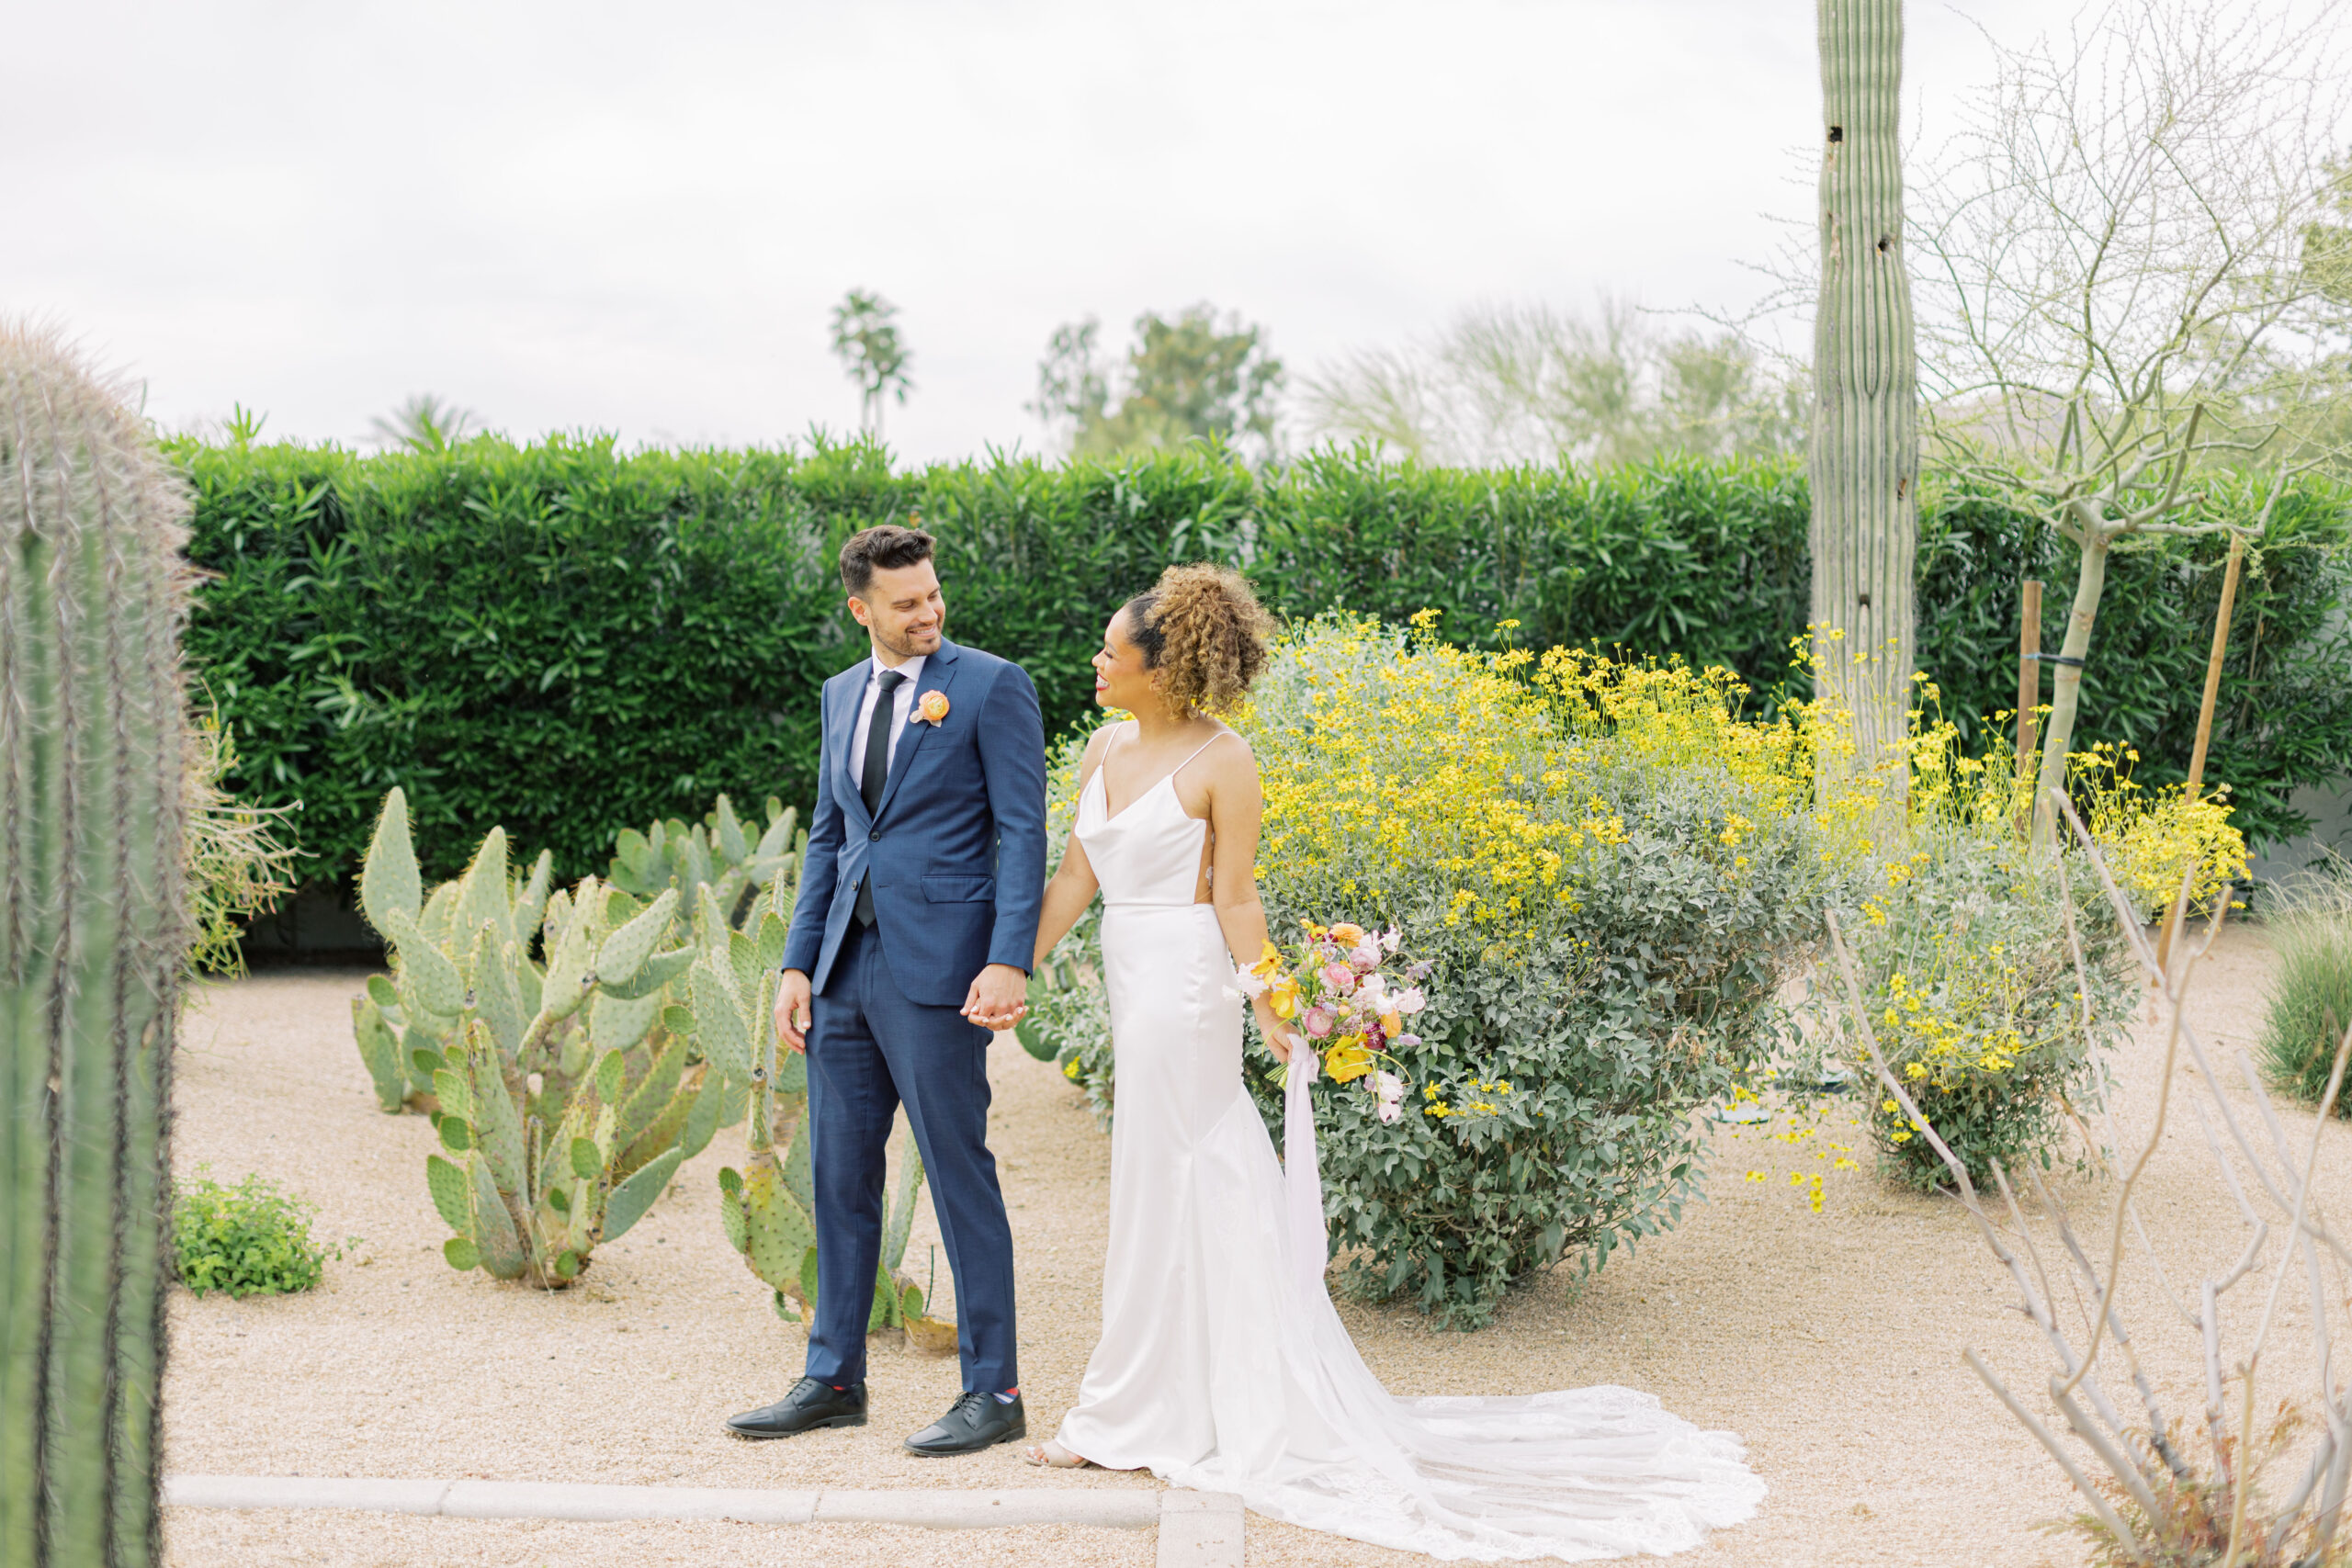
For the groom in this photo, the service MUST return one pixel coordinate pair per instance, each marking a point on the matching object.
(910, 945)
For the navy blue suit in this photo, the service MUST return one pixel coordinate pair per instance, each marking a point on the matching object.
(956, 853)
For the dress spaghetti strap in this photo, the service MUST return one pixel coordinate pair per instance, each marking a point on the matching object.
(1197, 751)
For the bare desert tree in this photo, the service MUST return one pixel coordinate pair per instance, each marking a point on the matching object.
(1509, 384)
(2114, 277)
(2158, 1493)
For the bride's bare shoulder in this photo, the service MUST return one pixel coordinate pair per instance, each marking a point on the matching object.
(1228, 757)
(1097, 744)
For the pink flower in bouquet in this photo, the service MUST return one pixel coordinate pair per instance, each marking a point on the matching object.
(1317, 1022)
(1365, 958)
(1339, 977)
(1390, 1090)
(1391, 938)
(1409, 1000)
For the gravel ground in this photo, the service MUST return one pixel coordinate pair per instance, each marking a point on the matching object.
(1831, 1343)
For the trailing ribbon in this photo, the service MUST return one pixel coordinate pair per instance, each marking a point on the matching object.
(1302, 1177)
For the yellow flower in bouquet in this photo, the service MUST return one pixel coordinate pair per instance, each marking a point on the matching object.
(1282, 997)
(1348, 1060)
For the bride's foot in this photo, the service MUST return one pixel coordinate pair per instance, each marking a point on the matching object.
(1053, 1456)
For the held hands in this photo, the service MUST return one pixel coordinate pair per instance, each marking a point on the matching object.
(999, 998)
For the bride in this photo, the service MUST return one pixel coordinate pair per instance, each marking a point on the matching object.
(1222, 1364)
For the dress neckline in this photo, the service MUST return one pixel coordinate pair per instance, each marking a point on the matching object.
(1169, 777)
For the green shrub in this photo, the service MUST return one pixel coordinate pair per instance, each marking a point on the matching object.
(1611, 872)
(558, 636)
(253, 1239)
(2310, 1005)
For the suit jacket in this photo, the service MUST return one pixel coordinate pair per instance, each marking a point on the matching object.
(956, 849)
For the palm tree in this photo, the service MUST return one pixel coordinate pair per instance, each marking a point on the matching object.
(865, 336)
(422, 423)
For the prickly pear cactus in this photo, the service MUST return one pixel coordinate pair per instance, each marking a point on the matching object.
(415, 1008)
(93, 932)
(769, 1207)
(565, 1095)
(719, 854)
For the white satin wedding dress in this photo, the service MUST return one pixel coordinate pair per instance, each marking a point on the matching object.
(1222, 1364)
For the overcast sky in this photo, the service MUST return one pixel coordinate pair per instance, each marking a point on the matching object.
(636, 218)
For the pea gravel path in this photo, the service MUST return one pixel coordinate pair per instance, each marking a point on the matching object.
(1831, 1342)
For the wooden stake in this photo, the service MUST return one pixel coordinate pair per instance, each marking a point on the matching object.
(2205, 708)
(2213, 665)
(2028, 677)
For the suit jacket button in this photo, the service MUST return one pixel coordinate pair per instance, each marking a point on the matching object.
(876, 835)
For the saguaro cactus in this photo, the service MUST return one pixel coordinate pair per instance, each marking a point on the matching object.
(92, 935)
(1865, 448)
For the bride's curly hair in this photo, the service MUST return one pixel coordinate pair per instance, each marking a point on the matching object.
(1202, 629)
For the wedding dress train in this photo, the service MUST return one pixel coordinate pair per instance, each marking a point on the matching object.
(1223, 1365)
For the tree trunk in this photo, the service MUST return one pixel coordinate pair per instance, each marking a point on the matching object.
(1864, 459)
(2066, 686)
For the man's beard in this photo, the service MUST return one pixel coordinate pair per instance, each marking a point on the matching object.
(900, 646)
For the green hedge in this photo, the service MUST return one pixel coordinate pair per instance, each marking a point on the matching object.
(562, 637)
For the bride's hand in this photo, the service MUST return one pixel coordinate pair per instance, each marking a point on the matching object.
(1278, 1036)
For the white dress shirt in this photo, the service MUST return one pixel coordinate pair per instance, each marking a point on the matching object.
(902, 704)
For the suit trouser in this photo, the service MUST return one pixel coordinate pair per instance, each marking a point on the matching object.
(871, 1050)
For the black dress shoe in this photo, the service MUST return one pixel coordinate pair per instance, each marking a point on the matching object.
(810, 1405)
(974, 1422)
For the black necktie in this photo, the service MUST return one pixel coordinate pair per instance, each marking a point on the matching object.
(876, 774)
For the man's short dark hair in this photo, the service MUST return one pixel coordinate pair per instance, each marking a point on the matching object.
(888, 546)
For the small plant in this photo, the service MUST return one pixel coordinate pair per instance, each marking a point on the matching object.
(253, 1239)
(2311, 994)
(237, 867)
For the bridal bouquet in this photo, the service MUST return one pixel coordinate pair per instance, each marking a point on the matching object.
(1332, 985)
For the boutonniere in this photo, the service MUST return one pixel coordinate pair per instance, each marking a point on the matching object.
(932, 708)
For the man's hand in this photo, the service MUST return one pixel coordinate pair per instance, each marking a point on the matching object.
(999, 998)
(792, 1010)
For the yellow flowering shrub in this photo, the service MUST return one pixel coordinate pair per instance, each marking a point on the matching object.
(2150, 839)
(1612, 868)
(1971, 988)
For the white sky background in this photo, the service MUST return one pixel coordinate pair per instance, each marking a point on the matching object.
(638, 218)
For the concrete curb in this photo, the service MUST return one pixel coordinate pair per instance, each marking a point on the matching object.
(1198, 1529)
